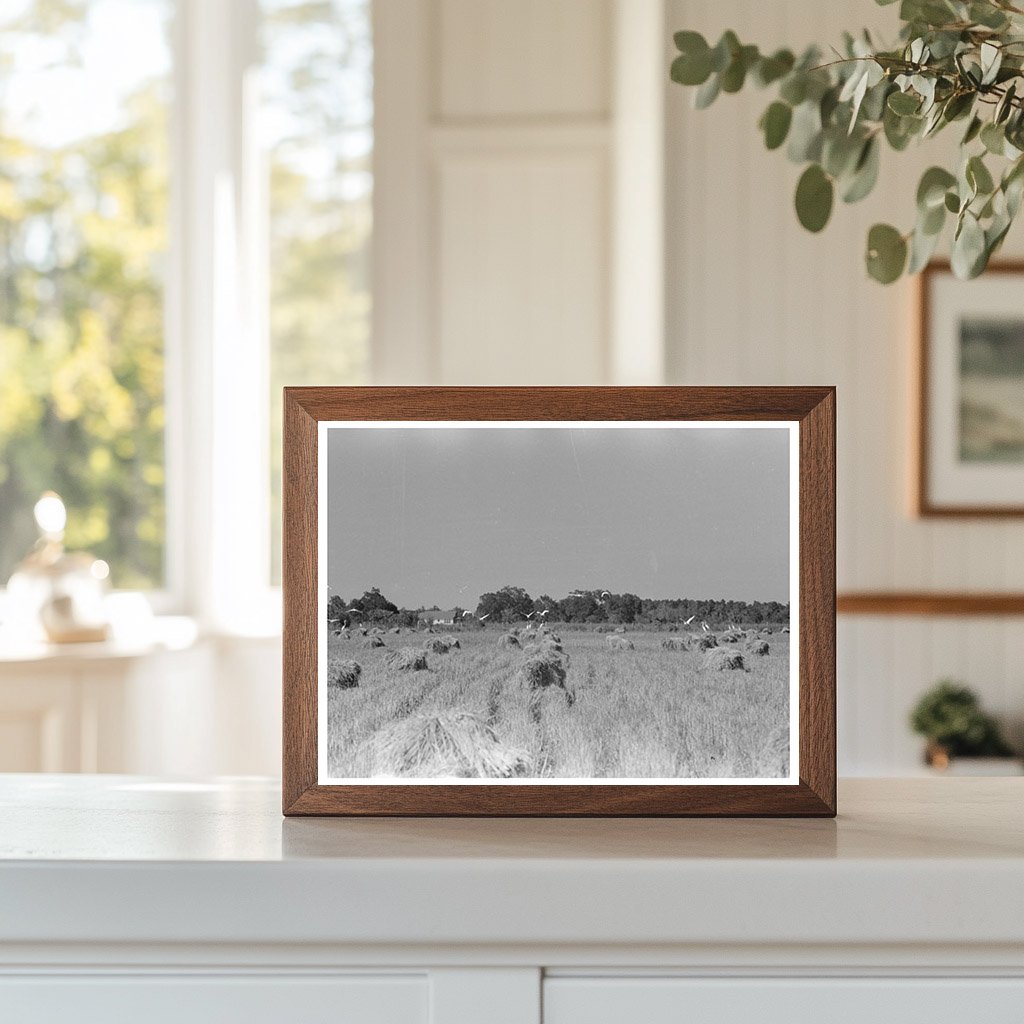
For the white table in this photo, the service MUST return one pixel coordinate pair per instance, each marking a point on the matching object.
(197, 902)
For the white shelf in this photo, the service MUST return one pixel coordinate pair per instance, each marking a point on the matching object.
(922, 861)
(128, 897)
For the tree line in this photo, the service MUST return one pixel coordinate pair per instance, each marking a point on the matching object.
(513, 604)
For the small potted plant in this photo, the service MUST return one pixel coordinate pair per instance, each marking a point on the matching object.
(950, 717)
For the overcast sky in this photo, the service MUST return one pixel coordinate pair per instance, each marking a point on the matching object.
(439, 516)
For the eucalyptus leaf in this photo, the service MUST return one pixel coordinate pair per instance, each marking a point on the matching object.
(925, 87)
(840, 152)
(794, 88)
(930, 12)
(814, 196)
(735, 74)
(707, 93)
(1014, 192)
(968, 248)
(691, 70)
(886, 253)
(805, 133)
(827, 106)
(978, 176)
(1013, 187)
(987, 210)
(775, 124)
(957, 106)
(993, 138)
(987, 15)
(724, 51)
(771, 69)
(873, 106)
(944, 44)
(865, 173)
(903, 103)
(1005, 105)
(973, 130)
(934, 121)
(900, 130)
(991, 61)
(931, 190)
(867, 74)
(922, 248)
(932, 221)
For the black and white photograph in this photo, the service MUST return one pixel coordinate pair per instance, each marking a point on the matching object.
(594, 602)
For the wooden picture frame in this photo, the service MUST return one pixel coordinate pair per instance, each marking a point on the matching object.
(941, 488)
(808, 413)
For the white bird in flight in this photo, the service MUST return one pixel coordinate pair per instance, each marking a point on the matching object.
(689, 620)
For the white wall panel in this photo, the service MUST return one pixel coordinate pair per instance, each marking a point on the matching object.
(494, 206)
(754, 299)
(525, 58)
(522, 282)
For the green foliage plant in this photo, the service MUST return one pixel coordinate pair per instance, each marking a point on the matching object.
(950, 717)
(957, 62)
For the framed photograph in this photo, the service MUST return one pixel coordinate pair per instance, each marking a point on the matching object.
(559, 601)
(970, 450)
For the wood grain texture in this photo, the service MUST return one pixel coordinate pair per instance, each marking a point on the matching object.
(818, 599)
(925, 603)
(814, 408)
(299, 595)
(924, 506)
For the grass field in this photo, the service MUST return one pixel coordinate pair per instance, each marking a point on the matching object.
(642, 713)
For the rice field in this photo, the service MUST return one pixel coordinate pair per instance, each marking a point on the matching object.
(639, 712)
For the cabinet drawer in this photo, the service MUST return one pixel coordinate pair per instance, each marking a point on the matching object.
(783, 1001)
(202, 999)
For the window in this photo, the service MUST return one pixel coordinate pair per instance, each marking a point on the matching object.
(185, 222)
(83, 235)
(317, 88)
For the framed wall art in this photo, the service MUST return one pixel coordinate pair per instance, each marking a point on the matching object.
(559, 601)
(970, 423)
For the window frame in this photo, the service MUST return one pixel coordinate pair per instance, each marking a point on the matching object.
(216, 329)
(217, 346)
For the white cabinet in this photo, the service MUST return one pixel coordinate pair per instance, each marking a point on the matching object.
(202, 999)
(134, 899)
(829, 1000)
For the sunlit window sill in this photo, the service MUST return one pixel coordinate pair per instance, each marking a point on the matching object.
(161, 633)
(136, 631)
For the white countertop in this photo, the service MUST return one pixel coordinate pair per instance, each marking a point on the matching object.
(123, 859)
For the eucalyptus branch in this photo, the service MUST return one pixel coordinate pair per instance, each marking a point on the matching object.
(954, 60)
